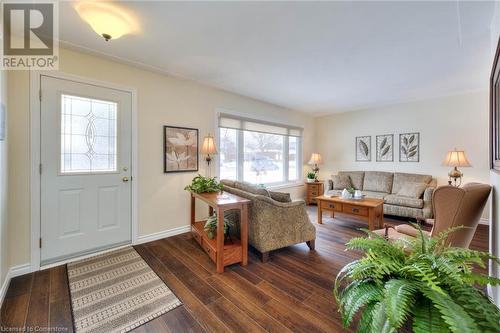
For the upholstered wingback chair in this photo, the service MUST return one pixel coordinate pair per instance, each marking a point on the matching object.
(274, 220)
(453, 207)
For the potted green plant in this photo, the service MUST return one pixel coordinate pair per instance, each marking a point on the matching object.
(351, 190)
(211, 226)
(201, 184)
(311, 177)
(418, 284)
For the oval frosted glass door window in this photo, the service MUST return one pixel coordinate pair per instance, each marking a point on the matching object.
(88, 135)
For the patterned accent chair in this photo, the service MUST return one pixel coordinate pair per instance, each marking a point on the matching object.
(274, 220)
(453, 207)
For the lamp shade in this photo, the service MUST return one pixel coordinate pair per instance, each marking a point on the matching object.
(208, 146)
(315, 159)
(456, 158)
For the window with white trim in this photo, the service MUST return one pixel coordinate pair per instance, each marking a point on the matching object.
(259, 152)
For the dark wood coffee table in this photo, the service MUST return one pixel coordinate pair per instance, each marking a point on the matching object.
(370, 210)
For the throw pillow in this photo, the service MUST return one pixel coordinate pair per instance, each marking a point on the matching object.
(251, 188)
(341, 182)
(412, 190)
(280, 196)
(357, 178)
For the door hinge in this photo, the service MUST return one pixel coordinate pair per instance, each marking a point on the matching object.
(40, 168)
(40, 94)
(40, 242)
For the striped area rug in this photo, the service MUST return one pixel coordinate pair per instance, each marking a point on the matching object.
(116, 292)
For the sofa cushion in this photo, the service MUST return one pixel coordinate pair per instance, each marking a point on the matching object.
(412, 190)
(341, 182)
(251, 188)
(372, 194)
(401, 178)
(378, 181)
(398, 200)
(356, 178)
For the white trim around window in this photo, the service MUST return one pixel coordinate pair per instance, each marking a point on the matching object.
(263, 164)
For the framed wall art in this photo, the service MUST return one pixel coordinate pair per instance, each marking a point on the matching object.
(385, 147)
(180, 149)
(409, 147)
(363, 148)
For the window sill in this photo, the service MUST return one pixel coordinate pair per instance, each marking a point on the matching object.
(285, 185)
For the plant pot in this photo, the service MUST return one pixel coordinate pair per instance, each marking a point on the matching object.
(309, 180)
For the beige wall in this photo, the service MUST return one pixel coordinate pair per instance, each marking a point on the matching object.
(4, 259)
(457, 121)
(162, 100)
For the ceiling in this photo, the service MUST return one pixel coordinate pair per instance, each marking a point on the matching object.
(318, 57)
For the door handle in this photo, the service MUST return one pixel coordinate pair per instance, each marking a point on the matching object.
(125, 179)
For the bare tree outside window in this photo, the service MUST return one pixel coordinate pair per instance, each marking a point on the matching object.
(259, 158)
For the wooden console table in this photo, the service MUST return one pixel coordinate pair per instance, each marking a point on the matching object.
(223, 254)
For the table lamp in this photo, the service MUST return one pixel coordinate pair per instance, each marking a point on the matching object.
(314, 161)
(208, 148)
(456, 158)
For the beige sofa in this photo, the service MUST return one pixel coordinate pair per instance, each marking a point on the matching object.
(274, 220)
(386, 185)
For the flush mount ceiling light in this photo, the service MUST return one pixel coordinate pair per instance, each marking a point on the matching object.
(107, 19)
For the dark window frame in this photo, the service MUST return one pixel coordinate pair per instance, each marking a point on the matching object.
(495, 112)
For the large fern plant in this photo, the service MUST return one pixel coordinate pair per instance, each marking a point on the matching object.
(420, 283)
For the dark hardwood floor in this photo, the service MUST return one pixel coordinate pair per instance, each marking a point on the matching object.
(290, 293)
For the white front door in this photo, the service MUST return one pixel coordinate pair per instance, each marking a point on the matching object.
(86, 154)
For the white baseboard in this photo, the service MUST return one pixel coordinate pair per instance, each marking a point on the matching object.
(13, 272)
(162, 234)
(484, 221)
(20, 270)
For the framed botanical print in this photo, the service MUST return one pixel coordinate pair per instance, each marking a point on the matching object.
(385, 148)
(409, 147)
(180, 149)
(363, 148)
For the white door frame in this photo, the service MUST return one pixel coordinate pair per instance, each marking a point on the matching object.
(35, 151)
